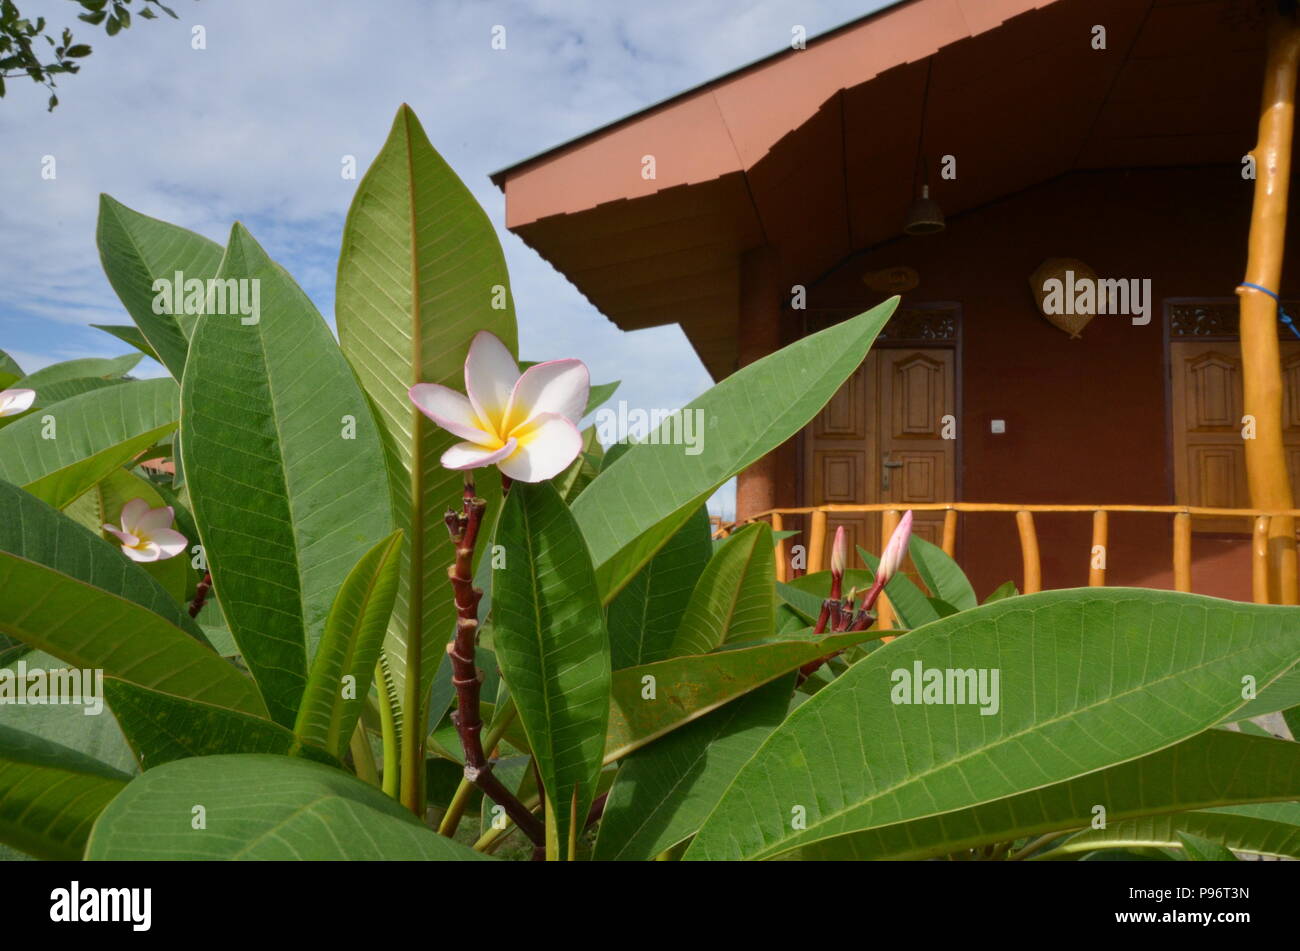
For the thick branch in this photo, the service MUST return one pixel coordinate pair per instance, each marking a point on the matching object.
(463, 526)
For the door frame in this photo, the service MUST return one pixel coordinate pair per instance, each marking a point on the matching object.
(928, 325)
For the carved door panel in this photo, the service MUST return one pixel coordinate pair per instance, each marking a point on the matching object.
(880, 439)
(1209, 451)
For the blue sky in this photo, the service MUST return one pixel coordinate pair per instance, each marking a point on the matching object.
(255, 126)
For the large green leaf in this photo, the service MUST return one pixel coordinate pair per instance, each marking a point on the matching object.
(68, 592)
(354, 633)
(663, 792)
(50, 795)
(651, 700)
(105, 368)
(162, 727)
(1214, 768)
(638, 502)
(137, 250)
(420, 272)
(258, 806)
(92, 434)
(644, 617)
(1086, 678)
(735, 598)
(1268, 829)
(941, 574)
(551, 644)
(285, 470)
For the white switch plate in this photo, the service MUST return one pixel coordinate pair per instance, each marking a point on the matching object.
(998, 426)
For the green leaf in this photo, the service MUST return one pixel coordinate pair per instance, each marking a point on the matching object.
(162, 727)
(1214, 768)
(941, 574)
(583, 469)
(663, 792)
(285, 472)
(637, 503)
(50, 795)
(354, 634)
(551, 644)
(644, 617)
(1264, 829)
(137, 250)
(418, 273)
(258, 806)
(1203, 850)
(93, 434)
(600, 393)
(651, 700)
(68, 592)
(97, 736)
(1281, 694)
(1088, 678)
(910, 604)
(131, 334)
(10, 366)
(106, 368)
(734, 599)
(53, 393)
(1007, 589)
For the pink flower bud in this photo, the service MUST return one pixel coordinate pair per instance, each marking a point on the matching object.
(896, 550)
(839, 553)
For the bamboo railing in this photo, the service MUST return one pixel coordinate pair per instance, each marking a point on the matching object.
(1032, 579)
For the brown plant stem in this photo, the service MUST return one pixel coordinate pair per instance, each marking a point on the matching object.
(463, 526)
(201, 594)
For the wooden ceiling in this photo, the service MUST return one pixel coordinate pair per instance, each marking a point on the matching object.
(817, 152)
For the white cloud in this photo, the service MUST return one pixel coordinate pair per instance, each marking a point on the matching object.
(254, 128)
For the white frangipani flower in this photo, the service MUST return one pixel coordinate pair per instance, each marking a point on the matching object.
(13, 402)
(146, 534)
(524, 424)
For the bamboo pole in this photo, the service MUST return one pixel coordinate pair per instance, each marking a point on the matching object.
(816, 541)
(1259, 560)
(1266, 469)
(884, 610)
(950, 533)
(1029, 552)
(1097, 559)
(1182, 552)
(778, 525)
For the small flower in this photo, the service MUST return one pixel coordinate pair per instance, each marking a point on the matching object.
(13, 402)
(146, 534)
(526, 424)
(839, 559)
(896, 550)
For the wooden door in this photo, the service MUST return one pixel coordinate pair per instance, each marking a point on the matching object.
(1209, 451)
(880, 439)
(916, 463)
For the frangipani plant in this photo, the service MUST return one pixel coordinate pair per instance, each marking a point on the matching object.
(451, 663)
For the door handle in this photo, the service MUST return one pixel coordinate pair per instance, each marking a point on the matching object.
(887, 465)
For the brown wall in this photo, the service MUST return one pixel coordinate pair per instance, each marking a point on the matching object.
(1086, 418)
